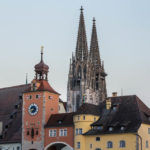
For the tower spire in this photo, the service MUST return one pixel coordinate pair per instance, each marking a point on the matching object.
(26, 78)
(94, 48)
(81, 47)
(42, 47)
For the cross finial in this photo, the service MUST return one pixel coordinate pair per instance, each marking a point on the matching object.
(81, 9)
(94, 20)
(42, 47)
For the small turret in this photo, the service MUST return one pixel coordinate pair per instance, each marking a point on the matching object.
(41, 69)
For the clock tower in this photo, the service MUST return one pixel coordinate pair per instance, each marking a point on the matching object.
(39, 102)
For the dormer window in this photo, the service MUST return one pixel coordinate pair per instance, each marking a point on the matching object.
(99, 127)
(114, 108)
(50, 97)
(110, 129)
(122, 128)
(59, 122)
(34, 86)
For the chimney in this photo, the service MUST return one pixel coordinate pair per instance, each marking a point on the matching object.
(108, 103)
(1, 127)
(114, 94)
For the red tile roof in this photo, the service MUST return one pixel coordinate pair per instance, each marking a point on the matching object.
(59, 120)
(44, 86)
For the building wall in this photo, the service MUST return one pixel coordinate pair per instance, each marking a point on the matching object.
(130, 140)
(1, 127)
(12, 146)
(145, 136)
(66, 139)
(47, 105)
(84, 122)
(61, 108)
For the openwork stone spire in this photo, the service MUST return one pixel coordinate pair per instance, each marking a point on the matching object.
(81, 47)
(94, 48)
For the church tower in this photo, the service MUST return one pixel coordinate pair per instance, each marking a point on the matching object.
(86, 78)
(39, 102)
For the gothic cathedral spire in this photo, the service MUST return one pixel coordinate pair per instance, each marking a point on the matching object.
(81, 47)
(86, 78)
(94, 48)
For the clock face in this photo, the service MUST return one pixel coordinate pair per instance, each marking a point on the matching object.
(33, 109)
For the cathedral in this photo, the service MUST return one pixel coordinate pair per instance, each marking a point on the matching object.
(86, 78)
(33, 117)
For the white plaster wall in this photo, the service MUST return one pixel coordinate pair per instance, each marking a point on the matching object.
(61, 108)
(10, 146)
(1, 127)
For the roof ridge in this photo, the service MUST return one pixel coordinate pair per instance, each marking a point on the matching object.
(122, 96)
(21, 85)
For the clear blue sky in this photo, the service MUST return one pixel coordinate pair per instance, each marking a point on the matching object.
(123, 28)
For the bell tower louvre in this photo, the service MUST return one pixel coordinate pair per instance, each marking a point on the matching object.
(86, 78)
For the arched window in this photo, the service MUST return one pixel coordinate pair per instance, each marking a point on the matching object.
(79, 72)
(122, 143)
(109, 144)
(97, 149)
(85, 72)
(73, 70)
(77, 102)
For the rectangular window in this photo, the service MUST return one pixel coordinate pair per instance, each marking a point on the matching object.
(50, 97)
(80, 131)
(147, 144)
(91, 145)
(63, 132)
(148, 130)
(76, 131)
(52, 133)
(29, 97)
(78, 145)
(78, 117)
(37, 96)
(18, 148)
(97, 138)
(83, 117)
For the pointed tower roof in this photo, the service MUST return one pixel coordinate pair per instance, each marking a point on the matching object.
(81, 47)
(94, 48)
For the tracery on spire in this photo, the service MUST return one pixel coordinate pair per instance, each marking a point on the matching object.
(94, 48)
(81, 47)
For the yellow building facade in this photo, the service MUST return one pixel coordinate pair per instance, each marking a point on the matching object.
(116, 127)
